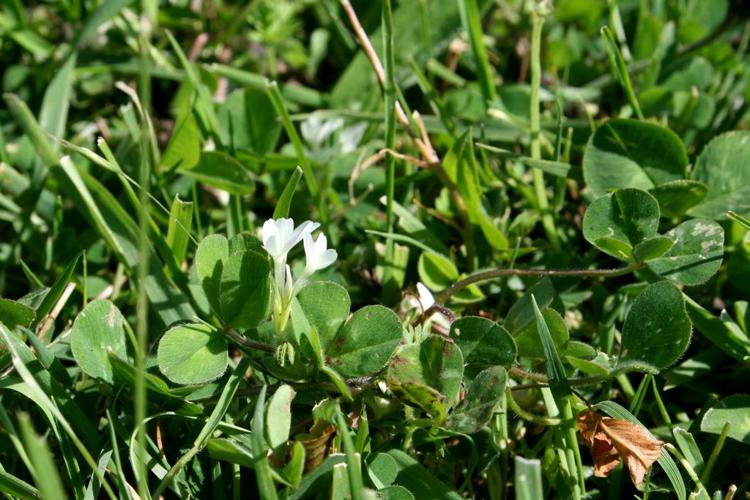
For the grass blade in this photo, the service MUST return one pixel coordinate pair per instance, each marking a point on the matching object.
(665, 460)
(472, 23)
(263, 473)
(18, 488)
(48, 481)
(272, 88)
(47, 404)
(284, 203)
(528, 479)
(178, 233)
(209, 427)
(356, 486)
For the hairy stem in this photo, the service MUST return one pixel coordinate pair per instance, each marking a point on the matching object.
(490, 274)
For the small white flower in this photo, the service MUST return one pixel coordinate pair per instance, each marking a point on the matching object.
(317, 255)
(426, 300)
(279, 236)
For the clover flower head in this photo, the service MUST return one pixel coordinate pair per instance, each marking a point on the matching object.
(279, 236)
(426, 299)
(317, 255)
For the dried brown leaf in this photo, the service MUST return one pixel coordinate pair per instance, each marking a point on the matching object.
(612, 439)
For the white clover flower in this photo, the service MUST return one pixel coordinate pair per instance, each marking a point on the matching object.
(317, 255)
(423, 302)
(279, 236)
(426, 299)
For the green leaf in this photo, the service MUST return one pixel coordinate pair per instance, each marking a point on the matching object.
(326, 305)
(436, 271)
(210, 424)
(529, 339)
(245, 289)
(435, 363)
(651, 248)
(616, 222)
(366, 342)
(279, 418)
(210, 256)
(230, 450)
(14, 314)
(422, 396)
(183, 150)
(382, 469)
(657, 329)
(221, 171)
(722, 332)
(192, 353)
(733, 410)
(521, 313)
(482, 397)
(696, 254)
(677, 197)
(483, 342)
(98, 330)
(244, 241)
(248, 121)
(419, 481)
(722, 166)
(632, 154)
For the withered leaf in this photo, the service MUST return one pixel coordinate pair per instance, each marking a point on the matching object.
(612, 439)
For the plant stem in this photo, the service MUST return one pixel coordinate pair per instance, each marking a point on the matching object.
(147, 20)
(490, 274)
(548, 221)
(525, 415)
(519, 372)
(242, 341)
(706, 474)
(389, 94)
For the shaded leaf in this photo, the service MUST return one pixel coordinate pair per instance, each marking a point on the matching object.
(625, 153)
(14, 314)
(192, 354)
(733, 410)
(483, 342)
(657, 329)
(366, 342)
(326, 306)
(97, 331)
(617, 222)
(221, 171)
(722, 166)
(482, 397)
(696, 254)
(434, 365)
(245, 290)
